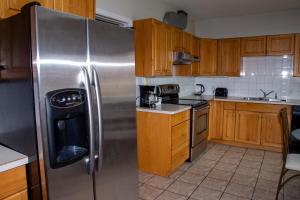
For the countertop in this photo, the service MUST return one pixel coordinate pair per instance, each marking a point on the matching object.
(10, 159)
(295, 102)
(165, 109)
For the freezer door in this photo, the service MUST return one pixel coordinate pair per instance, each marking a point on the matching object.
(59, 52)
(111, 51)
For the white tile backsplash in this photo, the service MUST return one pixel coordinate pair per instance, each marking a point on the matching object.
(267, 73)
(186, 84)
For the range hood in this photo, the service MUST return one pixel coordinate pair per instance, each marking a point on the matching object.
(182, 58)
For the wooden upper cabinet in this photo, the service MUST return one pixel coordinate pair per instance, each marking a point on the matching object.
(208, 57)
(196, 42)
(153, 48)
(297, 56)
(280, 44)
(84, 8)
(254, 46)
(12, 7)
(248, 127)
(177, 39)
(162, 48)
(187, 41)
(229, 57)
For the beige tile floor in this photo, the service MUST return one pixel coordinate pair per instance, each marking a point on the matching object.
(222, 172)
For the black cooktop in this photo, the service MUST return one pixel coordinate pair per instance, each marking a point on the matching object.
(188, 102)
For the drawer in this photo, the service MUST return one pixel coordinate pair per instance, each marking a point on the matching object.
(180, 155)
(260, 107)
(180, 134)
(180, 117)
(229, 105)
(12, 181)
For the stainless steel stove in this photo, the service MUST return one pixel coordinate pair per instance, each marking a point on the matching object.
(199, 117)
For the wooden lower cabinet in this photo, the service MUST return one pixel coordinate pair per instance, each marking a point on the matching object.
(271, 134)
(13, 184)
(215, 120)
(229, 125)
(254, 125)
(248, 127)
(163, 141)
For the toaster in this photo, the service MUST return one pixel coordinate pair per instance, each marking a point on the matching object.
(221, 92)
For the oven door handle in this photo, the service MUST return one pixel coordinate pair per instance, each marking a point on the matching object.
(201, 109)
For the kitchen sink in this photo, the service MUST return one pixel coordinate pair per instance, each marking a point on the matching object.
(261, 99)
(253, 98)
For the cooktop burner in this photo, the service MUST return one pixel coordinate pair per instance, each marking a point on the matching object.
(187, 102)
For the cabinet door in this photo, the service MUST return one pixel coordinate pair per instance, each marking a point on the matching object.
(248, 127)
(159, 47)
(177, 36)
(280, 44)
(209, 57)
(196, 52)
(254, 46)
(215, 120)
(229, 58)
(228, 124)
(13, 7)
(167, 68)
(297, 56)
(85, 8)
(271, 132)
(187, 42)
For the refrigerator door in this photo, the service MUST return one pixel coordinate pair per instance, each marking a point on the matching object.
(111, 52)
(59, 53)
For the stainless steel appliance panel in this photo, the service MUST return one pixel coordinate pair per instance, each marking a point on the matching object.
(59, 52)
(200, 125)
(112, 58)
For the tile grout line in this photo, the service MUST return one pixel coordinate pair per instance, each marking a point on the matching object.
(258, 175)
(233, 174)
(217, 161)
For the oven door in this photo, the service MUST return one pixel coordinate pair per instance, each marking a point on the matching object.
(200, 125)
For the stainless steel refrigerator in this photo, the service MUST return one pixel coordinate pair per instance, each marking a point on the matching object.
(79, 108)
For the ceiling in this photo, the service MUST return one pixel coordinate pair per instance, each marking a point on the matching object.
(204, 9)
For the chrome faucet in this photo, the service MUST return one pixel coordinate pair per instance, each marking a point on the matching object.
(266, 94)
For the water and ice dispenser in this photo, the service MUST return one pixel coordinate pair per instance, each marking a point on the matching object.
(67, 122)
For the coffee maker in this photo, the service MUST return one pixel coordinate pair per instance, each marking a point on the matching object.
(148, 96)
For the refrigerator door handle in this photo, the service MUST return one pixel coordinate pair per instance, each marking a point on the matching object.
(90, 162)
(99, 141)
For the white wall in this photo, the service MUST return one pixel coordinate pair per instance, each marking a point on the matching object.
(139, 9)
(250, 25)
